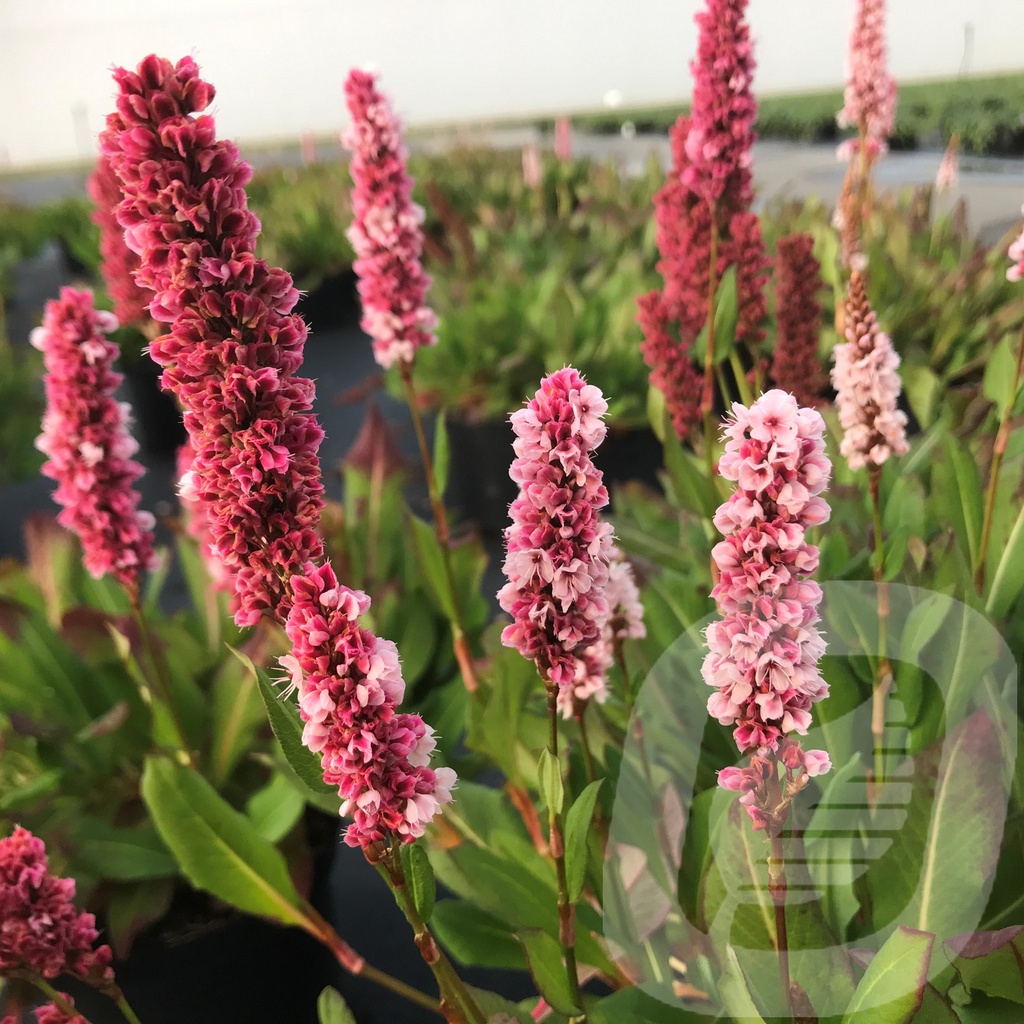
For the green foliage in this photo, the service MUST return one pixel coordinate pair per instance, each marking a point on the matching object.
(982, 111)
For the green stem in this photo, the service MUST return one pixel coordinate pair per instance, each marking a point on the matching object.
(457, 1004)
(55, 997)
(998, 451)
(883, 669)
(126, 1011)
(352, 962)
(777, 889)
(588, 757)
(159, 674)
(566, 909)
(746, 397)
(459, 641)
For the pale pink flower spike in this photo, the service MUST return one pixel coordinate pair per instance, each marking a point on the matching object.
(763, 654)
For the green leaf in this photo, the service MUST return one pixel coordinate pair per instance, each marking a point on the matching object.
(935, 873)
(218, 849)
(1001, 375)
(1008, 580)
(544, 957)
(474, 937)
(284, 720)
(549, 775)
(237, 712)
(497, 1009)
(124, 854)
(735, 995)
(892, 988)
(431, 562)
(690, 485)
(332, 1009)
(833, 843)
(577, 829)
(637, 1007)
(419, 877)
(990, 962)
(959, 489)
(441, 452)
(275, 808)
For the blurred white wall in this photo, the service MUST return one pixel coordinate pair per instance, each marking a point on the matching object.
(278, 64)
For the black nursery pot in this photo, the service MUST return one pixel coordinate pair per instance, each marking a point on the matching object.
(205, 963)
(157, 416)
(331, 304)
(480, 489)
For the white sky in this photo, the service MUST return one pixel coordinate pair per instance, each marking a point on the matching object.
(278, 65)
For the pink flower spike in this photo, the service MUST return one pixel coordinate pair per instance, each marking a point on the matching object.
(233, 345)
(870, 98)
(41, 930)
(85, 436)
(948, 174)
(350, 684)
(1016, 253)
(557, 549)
(867, 382)
(763, 654)
(385, 232)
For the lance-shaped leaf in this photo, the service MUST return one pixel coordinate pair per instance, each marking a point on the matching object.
(218, 849)
(936, 874)
(990, 962)
(287, 726)
(892, 989)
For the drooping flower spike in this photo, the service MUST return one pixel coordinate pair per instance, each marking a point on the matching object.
(86, 438)
(557, 548)
(763, 653)
(867, 382)
(350, 684)
(42, 933)
(386, 231)
(233, 345)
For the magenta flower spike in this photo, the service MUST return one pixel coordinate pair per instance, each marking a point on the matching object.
(233, 345)
(703, 207)
(721, 133)
(85, 437)
(763, 653)
(557, 549)
(41, 930)
(796, 366)
(131, 303)
(386, 232)
(350, 684)
(867, 382)
(869, 103)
